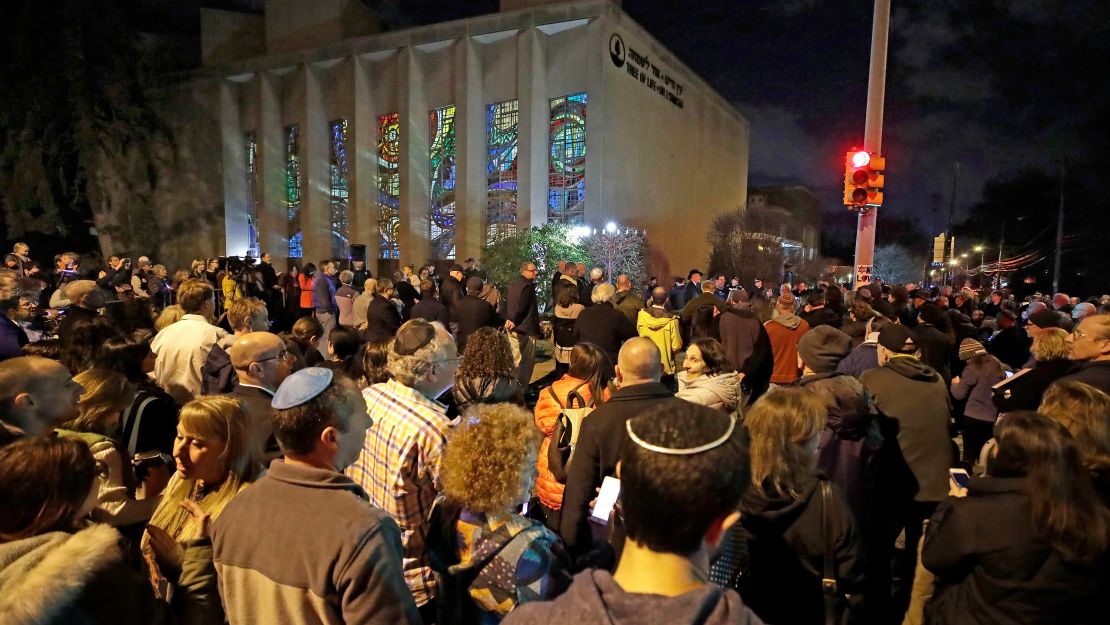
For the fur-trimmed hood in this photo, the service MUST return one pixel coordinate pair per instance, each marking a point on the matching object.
(43, 576)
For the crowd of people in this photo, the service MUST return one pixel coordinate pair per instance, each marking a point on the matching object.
(236, 444)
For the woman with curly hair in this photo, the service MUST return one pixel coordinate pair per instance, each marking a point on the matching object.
(486, 374)
(487, 470)
(1084, 411)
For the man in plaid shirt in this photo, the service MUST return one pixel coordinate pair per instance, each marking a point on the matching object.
(400, 459)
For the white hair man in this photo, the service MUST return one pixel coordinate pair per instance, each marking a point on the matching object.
(400, 460)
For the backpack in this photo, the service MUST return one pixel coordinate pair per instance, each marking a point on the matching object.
(564, 332)
(567, 427)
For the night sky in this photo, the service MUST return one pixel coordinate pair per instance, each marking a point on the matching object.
(997, 85)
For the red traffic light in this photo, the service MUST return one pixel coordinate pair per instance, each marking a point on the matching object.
(861, 159)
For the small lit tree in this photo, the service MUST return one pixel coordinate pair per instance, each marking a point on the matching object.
(895, 264)
(619, 250)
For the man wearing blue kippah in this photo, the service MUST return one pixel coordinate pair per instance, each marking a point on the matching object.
(302, 545)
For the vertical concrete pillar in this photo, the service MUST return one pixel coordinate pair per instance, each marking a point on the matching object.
(362, 142)
(316, 213)
(413, 118)
(535, 114)
(597, 212)
(273, 217)
(470, 135)
(234, 171)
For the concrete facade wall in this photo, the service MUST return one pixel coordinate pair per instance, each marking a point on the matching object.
(648, 161)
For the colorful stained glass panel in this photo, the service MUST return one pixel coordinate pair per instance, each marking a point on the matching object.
(502, 124)
(566, 197)
(441, 214)
(389, 186)
(339, 190)
(293, 191)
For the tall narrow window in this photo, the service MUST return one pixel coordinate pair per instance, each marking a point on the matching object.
(389, 186)
(293, 191)
(502, 122)
(339, 190)
(566, 193)
(441, 216)
(254, 246)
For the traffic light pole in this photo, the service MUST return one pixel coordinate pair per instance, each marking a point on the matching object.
(873, 136)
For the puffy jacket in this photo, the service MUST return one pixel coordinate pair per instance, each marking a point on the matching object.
(486, 390)
(664, 332)
(550, 491)
(306, 284)
(83, 577)
(720, 392)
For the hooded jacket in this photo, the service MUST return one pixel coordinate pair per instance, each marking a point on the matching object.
(748, 347)
(664, 332)
(594, 597)
(915, 409)
(629, 303)
(785, 330)
(720, 391)
(62, 578)
(848, 450)
(785, 541)
(992, 567)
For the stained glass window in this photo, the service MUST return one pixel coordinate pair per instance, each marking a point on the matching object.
(254, 246)
(339, 191)
(502, 122)
(441, 216)
(293, 191)
(566, 193)
(389, 186)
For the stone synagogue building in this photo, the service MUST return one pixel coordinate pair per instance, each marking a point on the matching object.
(309, 133)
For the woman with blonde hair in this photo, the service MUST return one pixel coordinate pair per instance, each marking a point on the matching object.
(107, 394)
(169, 316)
(491, 557)
(781, 516)
(213, 460)
(1023, 391)
(1084, 411)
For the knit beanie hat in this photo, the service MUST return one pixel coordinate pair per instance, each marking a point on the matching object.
(823, 347)
(898, 339)
(970, 348)
(786, 299)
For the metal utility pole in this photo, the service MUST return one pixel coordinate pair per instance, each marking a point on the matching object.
(1059, 230)
(952, 210)
(873, 136)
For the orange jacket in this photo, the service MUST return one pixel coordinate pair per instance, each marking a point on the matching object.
(306, 290)
(548, 489)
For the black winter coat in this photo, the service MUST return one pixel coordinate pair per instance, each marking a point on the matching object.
(449, 295)
(604, 326)
(1011, 346)
(1097, 374)
(935, 348)
(992, 567)
(823, 316)
(785, 543)
(1024, 390)
(472, 313)
(382, 320)
(521, 308)
(596, 455)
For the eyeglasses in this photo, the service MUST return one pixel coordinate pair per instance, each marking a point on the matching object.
(283, 354)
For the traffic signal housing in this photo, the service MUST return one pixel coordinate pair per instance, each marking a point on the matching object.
(863, 179)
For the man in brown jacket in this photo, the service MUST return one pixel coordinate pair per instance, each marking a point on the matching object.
(302, 544)
(785, 330)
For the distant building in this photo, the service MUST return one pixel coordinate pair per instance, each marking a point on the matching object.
(307, 131)
(787, 215)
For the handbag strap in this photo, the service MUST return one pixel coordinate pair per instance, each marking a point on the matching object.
(828, 575)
